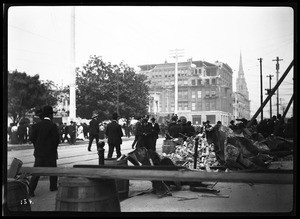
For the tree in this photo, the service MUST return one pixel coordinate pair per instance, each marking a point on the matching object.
(26, 93)
(96, 92)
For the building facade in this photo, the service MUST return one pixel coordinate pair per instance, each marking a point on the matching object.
(204, 90)
(241, 102)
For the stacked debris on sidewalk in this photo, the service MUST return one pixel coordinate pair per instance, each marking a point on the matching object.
(223, 148)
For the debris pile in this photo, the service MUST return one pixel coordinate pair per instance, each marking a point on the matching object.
(235, 150)
(185, 152)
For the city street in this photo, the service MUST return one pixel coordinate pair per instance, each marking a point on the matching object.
(69, 155)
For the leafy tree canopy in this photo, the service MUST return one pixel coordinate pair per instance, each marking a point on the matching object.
(97, 90)
(26, 93)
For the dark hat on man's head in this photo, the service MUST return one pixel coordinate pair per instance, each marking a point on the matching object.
(47, 110)
(243, 120)
(152, 119)
(115, 115)
(38, 112)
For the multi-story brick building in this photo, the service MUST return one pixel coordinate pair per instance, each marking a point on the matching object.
(204, 90)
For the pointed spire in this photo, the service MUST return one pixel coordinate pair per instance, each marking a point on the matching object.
(241, 71)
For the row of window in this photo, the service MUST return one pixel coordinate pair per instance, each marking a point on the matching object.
(170, 73)
(193, 82)
(207, 81)
(197, 71)
(194, 106)
(196, 94)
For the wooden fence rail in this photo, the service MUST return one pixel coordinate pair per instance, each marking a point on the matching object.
(271, 177)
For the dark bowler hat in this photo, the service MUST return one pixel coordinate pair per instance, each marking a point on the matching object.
(47, 110)
(38, 112)
(242, 120)
(115, 116)
(152, 119)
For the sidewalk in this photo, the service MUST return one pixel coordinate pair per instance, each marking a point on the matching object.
(234, 198)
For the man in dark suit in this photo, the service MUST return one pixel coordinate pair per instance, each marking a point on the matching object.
(153, 134)
(135, 131)
(143, 133)
(173, 129)
(93, 132)
(45, 139)
(114, 136)
(72, 132)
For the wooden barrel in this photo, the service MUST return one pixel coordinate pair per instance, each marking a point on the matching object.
(87, 195)
(122, 184)
(17, 196)
(168, 147)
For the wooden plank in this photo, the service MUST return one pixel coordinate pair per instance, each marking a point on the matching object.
(170, 175)
(14, 168)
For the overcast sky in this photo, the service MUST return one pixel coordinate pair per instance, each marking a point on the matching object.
(39, 40)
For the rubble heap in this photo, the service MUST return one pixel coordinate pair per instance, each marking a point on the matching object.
(184, 154)
(237, 151)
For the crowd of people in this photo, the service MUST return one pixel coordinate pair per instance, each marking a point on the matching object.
(146, 133)
(274, 126)
(173, 128)
(18, 134)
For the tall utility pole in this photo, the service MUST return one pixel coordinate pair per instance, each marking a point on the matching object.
(118, 93)
(175, 54)
(281, 104)
(72, 108)
(277, 73)
(261, 88)
(268, 92)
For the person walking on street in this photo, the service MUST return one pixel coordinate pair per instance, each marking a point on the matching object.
(85, 130)
(72, 132)
(114, 136)
(93, 132)
(45, 139)
(22, 130)
(153, 134)
(65, 131)
(14, 134)
(9, 132)
(61, 131)
(80, 135)
(143, 133)
(101, 132)
(135, 131)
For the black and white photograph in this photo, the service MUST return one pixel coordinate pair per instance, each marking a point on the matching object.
(149, 110)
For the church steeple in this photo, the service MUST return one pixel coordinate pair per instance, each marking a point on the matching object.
(242, 102)
(241, 85)
(241, 71)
